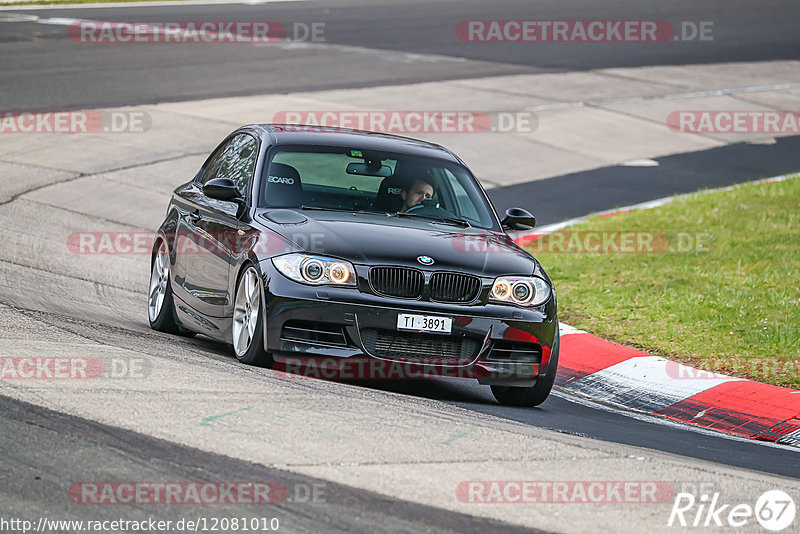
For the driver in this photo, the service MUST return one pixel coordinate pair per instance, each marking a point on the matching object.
(414, 194)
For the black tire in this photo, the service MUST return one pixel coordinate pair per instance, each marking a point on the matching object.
(165, 320)
(533, 395)
(255, 354)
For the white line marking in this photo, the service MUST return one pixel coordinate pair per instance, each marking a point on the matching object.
(792, 438)
(388, 55)
(42, 7)
(666, 96)
(391, 55)
(565, 329)
(640, 163)
(18, 17)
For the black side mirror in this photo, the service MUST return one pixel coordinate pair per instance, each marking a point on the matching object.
(221, 189)
(225, 189)
(518, 219)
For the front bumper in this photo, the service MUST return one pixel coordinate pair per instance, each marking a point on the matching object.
(481, 344)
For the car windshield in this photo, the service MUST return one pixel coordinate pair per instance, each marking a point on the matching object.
(359, 180)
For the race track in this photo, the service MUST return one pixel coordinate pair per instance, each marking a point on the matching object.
(389, 455)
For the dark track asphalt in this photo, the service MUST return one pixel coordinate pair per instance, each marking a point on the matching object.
(570, 417)
(43, 69)
(575, 195)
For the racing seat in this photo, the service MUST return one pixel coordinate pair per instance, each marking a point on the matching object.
(284, 188)
(388, 198)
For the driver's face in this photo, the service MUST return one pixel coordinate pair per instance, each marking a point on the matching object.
(416, 194)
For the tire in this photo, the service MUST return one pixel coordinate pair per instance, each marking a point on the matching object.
(247, 332)
(160, 304)
(533, 395)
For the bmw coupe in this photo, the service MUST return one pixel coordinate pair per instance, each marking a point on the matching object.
(294, 243)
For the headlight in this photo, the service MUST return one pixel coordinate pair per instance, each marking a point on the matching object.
(316, 270)
(520, 290)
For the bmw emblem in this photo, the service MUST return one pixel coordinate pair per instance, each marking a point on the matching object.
(425, 260)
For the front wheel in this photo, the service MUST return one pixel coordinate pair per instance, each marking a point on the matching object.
(248, 325)
(160, 305)
(536, 394)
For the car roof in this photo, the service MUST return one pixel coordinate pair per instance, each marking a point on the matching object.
(283, 134)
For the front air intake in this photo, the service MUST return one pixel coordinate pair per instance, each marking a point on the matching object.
(401, 282)
(454, 287)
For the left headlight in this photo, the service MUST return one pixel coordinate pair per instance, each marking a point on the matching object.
(316, 270)
(520, 290)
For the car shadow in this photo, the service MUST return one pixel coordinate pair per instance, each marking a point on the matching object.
(442, 389)
(457, 390)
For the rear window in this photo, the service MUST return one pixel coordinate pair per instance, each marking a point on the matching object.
(330, 170)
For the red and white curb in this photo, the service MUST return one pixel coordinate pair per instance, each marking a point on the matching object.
(607, 372)
(612, 374)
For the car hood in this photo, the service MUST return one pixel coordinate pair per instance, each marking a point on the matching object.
(375, 239)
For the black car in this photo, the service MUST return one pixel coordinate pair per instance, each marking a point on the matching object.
(299, 243)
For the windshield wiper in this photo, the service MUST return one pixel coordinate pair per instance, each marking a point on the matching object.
(451, 220)
(323, 209)
(319, 208)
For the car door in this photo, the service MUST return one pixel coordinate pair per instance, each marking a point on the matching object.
(187, 201)
(211, 228)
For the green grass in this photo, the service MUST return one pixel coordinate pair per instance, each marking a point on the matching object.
(731, 307)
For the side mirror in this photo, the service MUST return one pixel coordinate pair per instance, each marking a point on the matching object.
(221, 189)
(518, 219)
(225, 189)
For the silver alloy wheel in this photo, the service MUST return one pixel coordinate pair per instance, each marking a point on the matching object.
(246, 311)
(159, 278)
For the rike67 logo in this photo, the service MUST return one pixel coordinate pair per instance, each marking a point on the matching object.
(774, 510)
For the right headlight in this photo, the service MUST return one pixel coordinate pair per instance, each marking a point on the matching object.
(520, 290)
(316, 270)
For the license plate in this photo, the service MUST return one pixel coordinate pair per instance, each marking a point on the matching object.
(424, 323)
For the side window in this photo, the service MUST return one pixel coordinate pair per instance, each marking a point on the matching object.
(466, 208)
(213, 164)
(239, 161)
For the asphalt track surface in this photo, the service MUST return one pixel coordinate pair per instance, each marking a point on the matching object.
(40, 72)
(34, 474)
(42, 69)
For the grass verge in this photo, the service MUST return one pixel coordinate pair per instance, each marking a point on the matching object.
(719, 289)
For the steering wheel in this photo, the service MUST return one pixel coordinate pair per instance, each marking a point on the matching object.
(429, 207)
(418, 207)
